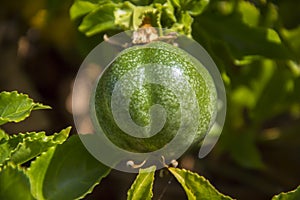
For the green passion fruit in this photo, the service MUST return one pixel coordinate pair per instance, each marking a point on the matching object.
(145, 60)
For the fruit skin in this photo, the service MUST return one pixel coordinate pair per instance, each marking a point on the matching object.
(159, 53)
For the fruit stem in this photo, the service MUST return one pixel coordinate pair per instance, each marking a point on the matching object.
(135, 166)
(174, 162)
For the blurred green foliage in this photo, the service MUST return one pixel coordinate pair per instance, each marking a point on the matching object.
(255, 45)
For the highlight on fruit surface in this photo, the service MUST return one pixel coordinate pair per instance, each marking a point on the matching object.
(151, 101)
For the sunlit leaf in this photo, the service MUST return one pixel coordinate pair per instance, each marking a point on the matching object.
(14, 184)
(82, 7)
(37, 143)
(3, 135)
(5, 152)
(66, 171)
(142, 186)
(184, 24)
(168, 14)
(15, 107)
(99, 20)
(196, 186)
(123, 15)
(193, 7)
(21, 147)
(140, 12)
(292, 195)
(249, 12)
(196, 7)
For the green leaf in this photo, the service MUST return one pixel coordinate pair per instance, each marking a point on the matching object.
(129, 16)
(139, 14)
(176, 3)
(3, 135)
(194, 7)
(184, 12)
(109, 15)
(37, 143)
(82, 7)
(142, 186)
(195, 186)
(99, 20)
(168, 10)
(14, 184)
(21, 147)
(66, 171)
(4, 153)
(239, 38)
(249, 12)
(123, 15)
(15, 107)
(184, 24)
(292, 195)
(9, 145)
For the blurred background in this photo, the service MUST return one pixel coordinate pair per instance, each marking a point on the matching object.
(258, 154)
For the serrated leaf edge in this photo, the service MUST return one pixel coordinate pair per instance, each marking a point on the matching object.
(46, 153)
(147, 170)
(172, 169)
(286, 193)
(34, 106)
(95, 184)
(25, 137)
(10, 165)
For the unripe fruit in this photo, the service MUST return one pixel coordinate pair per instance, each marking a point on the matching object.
(151, 61)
